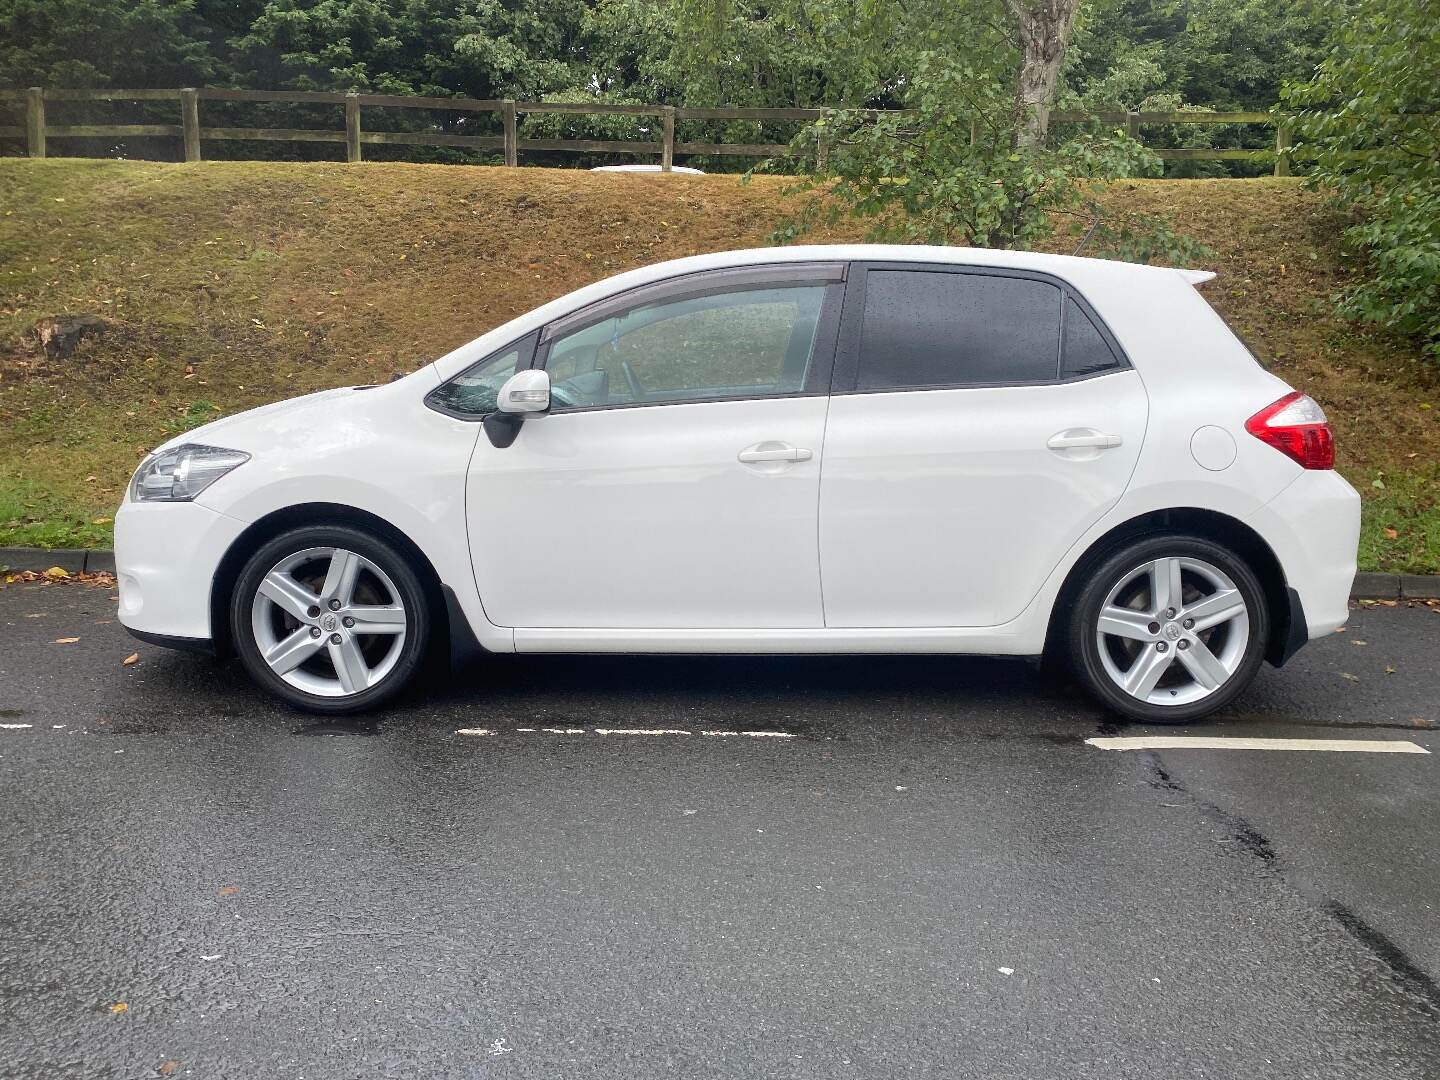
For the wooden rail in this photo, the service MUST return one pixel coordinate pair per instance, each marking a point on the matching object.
(353, 135)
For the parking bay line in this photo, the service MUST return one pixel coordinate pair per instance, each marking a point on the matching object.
(1209, 742)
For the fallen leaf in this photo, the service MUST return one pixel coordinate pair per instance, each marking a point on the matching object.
(118, 1008)
(167, 1068)
(1357, 641)
(131, 660)
(100, 521)
(1347, 675)
(66, 640)
(1389, 670)
(1392, 534)
(56, 573)
(229, 890)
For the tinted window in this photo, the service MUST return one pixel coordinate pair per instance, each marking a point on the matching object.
(936, 329)
(742, 343)
(1086, 351)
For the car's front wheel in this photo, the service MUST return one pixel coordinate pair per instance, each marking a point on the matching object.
(1169, 629)
(330, 618)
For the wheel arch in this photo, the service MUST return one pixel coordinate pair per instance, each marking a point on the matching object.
(227, 573)
(1211, 525)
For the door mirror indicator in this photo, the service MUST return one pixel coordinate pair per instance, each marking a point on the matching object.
(526, 392)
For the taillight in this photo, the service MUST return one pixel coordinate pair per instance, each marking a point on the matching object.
(1296, 426)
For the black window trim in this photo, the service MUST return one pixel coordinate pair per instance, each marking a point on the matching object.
(526, 344)
(847, 351)
(831, 274)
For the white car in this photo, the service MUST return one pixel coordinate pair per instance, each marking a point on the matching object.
(840, 449)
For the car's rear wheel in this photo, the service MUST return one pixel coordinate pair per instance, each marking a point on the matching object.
(1168, 629)
(330, 618)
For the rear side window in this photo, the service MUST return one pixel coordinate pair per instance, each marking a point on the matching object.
(1086, 350)
(926, 328)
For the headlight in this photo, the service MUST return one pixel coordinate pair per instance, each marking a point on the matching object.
(180, 474)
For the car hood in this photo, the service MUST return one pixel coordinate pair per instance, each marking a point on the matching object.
(233, 432)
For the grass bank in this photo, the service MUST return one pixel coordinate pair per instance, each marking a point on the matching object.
(229, 284)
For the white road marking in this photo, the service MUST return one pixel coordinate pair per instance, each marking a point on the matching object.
(13, 727)
(474, 731)
(754, 734)
(1206, 742)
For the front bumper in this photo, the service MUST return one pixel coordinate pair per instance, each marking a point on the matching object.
(166, 556)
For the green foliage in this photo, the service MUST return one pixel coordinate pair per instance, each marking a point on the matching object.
(103, 43)
(481, 48)
(1371, 117)
(949, 171)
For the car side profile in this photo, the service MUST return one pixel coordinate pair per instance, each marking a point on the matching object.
(827, 449)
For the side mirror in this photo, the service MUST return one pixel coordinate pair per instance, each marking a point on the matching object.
(525, 392)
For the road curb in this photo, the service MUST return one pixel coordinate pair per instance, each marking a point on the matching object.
(1367, 586)
(71, 560)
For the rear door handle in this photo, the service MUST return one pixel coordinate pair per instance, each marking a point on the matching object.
(1077, 438)
(760, 452)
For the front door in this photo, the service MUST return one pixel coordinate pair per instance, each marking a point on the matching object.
(674, 484)
(983, 421)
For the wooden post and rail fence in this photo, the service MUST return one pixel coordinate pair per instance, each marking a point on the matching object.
(354, 136)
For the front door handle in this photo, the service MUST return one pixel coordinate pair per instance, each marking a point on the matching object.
(772, 451)
(1083, 438)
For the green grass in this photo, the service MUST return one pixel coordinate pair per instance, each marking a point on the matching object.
(231, 284)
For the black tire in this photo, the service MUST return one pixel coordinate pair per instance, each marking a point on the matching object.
(1084, 648)
(394, 564)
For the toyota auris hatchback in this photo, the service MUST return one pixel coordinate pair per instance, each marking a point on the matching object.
(842, 449)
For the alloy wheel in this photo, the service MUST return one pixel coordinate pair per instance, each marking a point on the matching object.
(329, 621)
(1172, 631)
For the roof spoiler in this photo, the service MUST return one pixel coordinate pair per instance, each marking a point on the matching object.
(1196, 277)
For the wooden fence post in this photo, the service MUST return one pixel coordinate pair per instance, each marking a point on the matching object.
(352, 126)
(35, 122)
(667, 147)
(974, 130)
(190, 123)
(512, 152)
(1282, 144)
(1132, 125)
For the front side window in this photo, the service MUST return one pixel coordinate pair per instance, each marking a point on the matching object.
(744, 343)
(927, 328)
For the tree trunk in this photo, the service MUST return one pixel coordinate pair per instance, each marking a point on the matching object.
(1044, 31)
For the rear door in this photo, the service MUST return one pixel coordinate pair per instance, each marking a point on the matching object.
(982, 421)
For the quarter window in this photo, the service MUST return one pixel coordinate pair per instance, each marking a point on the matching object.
(924, 328)
(743, 343)
(1086, 350)
(475, 391)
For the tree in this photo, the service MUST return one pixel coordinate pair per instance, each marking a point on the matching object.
(1371, 117)
(1043, 29)
(103, 43)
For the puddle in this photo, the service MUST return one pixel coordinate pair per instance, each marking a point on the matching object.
(11, 714)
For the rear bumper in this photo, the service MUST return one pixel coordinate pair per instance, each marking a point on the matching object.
(1313, 527)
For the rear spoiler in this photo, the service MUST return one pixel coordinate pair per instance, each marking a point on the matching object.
(1196, 277)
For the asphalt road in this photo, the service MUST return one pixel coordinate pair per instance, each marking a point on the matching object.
(934, 877)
